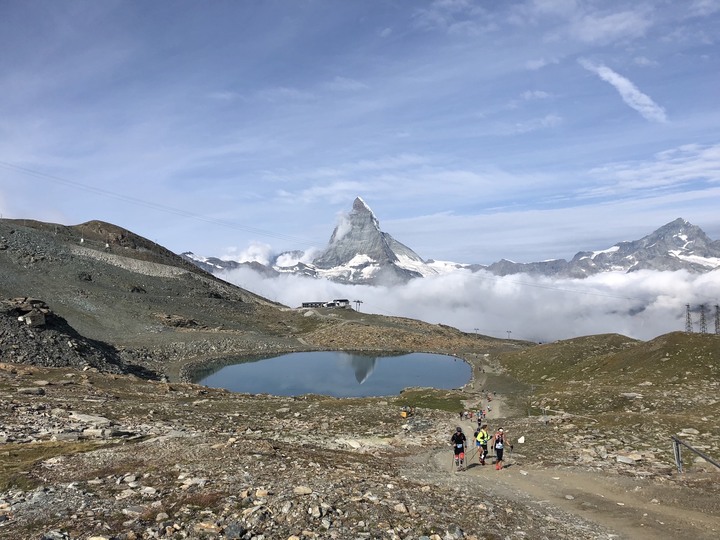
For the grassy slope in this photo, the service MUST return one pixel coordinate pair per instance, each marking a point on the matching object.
(670, 382)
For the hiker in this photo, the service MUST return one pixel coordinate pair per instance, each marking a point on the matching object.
(481, 440)
(458, 441)
(500, 442)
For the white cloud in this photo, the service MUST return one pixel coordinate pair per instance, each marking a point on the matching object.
(703, 8)
(670, 169)
(582, 22)
(529, 95)
(462, 17)
(539, 63)
(223, 95)
(640, 304)
(644, 61)
(605, 29)
(343, 227)
(284, 93)
(334, 192)
(629, 93)
(255, 252)
(291, 259)
(344, 84)
(545, 122)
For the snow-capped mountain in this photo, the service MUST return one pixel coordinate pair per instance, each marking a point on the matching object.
(359, 252)
(679, 245)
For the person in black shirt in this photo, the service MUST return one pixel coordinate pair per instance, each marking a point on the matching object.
(458, 441)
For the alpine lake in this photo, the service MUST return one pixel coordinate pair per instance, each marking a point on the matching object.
(337, 374)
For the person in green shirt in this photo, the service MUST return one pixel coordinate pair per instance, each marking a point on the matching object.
(482, 443)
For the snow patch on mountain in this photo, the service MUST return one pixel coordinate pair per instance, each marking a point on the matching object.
(709, 262)
(594, 254)
(415, 265)
(360, 260)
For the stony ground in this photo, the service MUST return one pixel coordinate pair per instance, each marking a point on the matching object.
(114, 456)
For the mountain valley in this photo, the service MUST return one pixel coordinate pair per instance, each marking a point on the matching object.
(104, 436)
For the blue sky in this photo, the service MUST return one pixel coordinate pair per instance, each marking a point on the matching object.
(475, 131)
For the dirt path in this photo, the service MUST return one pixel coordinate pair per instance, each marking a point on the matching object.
(621, 507)
(634, 508)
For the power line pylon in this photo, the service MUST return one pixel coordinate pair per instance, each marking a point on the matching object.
(688, 320)
(703, 323)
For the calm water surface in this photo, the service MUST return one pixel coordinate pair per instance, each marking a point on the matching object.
(340, 374)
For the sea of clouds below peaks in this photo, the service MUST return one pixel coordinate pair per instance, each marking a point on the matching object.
(640, 305)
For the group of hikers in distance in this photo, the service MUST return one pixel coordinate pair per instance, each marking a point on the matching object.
(499, 441)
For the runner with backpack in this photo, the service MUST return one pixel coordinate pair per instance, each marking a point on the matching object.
(481, 440)
(458, 441)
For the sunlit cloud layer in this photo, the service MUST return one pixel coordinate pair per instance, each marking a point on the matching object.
(641, 304)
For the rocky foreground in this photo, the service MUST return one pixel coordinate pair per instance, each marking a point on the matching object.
(92, 455)
(102, 456)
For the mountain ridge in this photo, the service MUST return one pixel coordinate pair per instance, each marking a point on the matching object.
(359, 252)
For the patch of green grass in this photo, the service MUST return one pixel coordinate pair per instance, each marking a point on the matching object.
(431, 399)
(17, 460)
(612, 358)
(563, 360)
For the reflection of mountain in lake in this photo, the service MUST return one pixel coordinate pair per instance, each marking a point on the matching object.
(363, 366)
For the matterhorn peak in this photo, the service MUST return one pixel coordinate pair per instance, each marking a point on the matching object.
(359, 205)
(360, 252)
(360, 213)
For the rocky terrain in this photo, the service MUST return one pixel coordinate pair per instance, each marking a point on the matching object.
(103, 437)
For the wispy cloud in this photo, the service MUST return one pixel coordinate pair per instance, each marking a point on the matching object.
(534, 124)
(344, 84)
(644, 61)
(629, 93)
(334, 192)
(703, 8)
(462, 17)
(582, 22)
(223, 95)
(604, 29)
(530, 95)
(671, 169)
(540, 63)
(284, 93)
